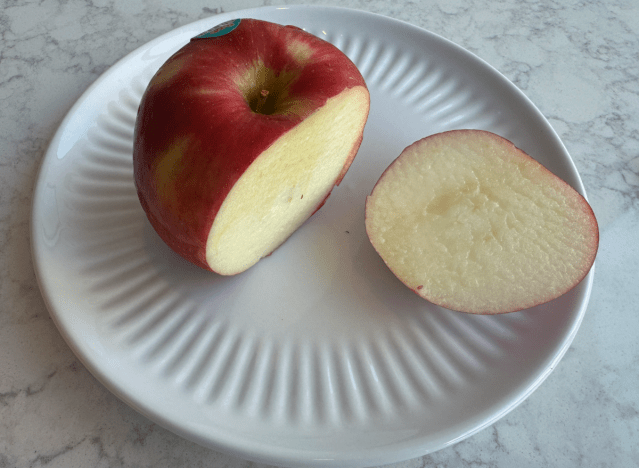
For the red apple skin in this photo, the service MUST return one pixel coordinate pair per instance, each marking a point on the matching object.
(195, 134)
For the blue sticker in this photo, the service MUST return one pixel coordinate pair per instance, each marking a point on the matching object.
(219, 30)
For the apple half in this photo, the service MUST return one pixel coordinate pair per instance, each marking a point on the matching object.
(472, 223)
(241, 136)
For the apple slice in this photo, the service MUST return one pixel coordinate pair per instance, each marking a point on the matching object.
(241, 136)
(472, 223)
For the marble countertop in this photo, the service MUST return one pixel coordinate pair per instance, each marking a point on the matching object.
(576, 60)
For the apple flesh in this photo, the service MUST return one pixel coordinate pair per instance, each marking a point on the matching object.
(472, 223)
(242, 136)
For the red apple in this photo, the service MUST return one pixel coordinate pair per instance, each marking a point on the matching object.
(472, 223)
(241, 136)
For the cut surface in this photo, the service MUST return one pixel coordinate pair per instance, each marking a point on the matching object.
(472, 223)
(286, 184)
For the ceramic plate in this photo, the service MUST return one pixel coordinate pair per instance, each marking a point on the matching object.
(317, 356)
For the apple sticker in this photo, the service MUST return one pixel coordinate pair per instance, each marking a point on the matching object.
(219, 30)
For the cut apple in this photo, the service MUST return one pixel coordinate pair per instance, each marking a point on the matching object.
(472, 223)
(240, 137)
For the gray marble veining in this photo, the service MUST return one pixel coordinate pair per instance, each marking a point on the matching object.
(576, 60)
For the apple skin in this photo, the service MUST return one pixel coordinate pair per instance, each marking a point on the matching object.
(196, 134)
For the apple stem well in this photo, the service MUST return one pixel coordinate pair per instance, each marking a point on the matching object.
(261, 104)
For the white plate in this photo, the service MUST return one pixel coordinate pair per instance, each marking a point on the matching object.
(317, 356)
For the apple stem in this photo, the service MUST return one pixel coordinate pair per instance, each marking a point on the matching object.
(261, 101)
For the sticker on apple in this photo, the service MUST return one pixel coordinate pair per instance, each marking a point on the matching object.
(219, 30)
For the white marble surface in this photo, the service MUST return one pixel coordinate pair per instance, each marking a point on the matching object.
(576, 60)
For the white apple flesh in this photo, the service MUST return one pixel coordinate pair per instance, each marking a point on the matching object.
(241, 136)
(472, 223)
(286, 184)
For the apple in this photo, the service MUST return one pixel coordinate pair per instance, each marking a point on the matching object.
(472, 223)
(240, 137)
